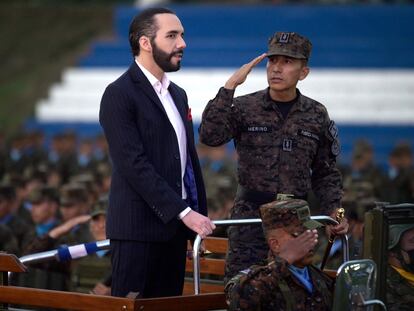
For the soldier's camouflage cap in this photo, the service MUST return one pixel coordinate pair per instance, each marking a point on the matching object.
(99, 208)
(43, 193)
(72, 194)
(293, 215)
(289, 44)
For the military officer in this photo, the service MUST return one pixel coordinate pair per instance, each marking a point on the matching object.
(286, 143)
(400, 272)
(288, 281)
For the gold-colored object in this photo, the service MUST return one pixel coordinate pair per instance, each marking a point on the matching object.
(340, 214)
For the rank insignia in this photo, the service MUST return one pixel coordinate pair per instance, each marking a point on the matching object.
(287, 145)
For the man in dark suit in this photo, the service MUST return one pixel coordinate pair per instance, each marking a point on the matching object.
(157, 198)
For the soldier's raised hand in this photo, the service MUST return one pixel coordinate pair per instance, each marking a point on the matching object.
(299, 247)
(240, 75)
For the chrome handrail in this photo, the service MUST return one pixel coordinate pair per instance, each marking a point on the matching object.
(238, 222)
(52, 254)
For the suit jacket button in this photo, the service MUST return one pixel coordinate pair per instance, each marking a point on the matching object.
(178, 184)
(177, 157)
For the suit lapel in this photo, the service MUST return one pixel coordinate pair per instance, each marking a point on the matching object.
(142, 82)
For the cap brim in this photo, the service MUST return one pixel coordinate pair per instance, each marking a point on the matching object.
(285, 53)
(312, 224)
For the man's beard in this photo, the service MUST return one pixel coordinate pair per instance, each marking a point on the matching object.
(163, 59)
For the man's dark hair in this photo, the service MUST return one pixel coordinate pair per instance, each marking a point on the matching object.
(144, 25)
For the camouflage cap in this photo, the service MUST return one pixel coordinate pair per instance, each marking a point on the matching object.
(395, 233)
(43, 193)
(99, 208)
(289, 44)
(71, 194)
(293, 215)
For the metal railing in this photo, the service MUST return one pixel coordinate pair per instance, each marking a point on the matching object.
(239, 222)
(105, 244)
(53, 254)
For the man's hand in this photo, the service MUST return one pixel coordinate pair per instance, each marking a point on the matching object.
(68, 225)
(340, 229)
(200, 224)
(101, 289)
(299, 247)
(240, 75)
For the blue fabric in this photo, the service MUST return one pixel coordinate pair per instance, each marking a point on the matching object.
(303, 276)
(190, 185)
(91, 247)
(336, 246)
(63, 254)
(6, 219)
(42, 229)
(102, 253)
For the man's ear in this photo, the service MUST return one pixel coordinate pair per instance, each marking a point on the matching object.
(304, 72)
(274, 245)
(145, 43)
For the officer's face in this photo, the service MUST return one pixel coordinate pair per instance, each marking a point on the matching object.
(70, 211)
(97, 227)
(43, 211)
(407, 244)
(283, 73)
(284, 240)
(168, 44)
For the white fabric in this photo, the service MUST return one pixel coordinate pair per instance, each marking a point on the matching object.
(161, 89)
(77, 251)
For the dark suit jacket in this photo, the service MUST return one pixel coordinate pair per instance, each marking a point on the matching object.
(145, 196)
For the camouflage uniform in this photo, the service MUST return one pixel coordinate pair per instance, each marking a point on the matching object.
(400, 292)
(8, 242)
(93, 269)
(400, 289)
(276, 155)
(273, 286)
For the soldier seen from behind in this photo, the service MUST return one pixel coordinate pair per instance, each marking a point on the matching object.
(287, 281)
(400, 271)
(285, 141)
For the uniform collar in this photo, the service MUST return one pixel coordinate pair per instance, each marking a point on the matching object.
(301, 103)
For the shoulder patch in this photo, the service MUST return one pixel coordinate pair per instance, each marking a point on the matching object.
(335, 148)
(333, 130)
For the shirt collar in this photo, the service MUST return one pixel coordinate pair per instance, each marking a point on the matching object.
(159, 86)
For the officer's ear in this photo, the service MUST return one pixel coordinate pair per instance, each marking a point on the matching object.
(274, 245)
(304, 72)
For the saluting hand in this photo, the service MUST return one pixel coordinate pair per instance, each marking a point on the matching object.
(299, 247)
(200, 224)
(240, 75)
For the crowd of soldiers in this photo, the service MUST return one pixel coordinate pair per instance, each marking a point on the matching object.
(57, 196)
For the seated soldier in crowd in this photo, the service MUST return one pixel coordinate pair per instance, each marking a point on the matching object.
(8, 242)
(18, 227)
(288, 281)
(51, 233)
(92, 274)
(400, 272)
